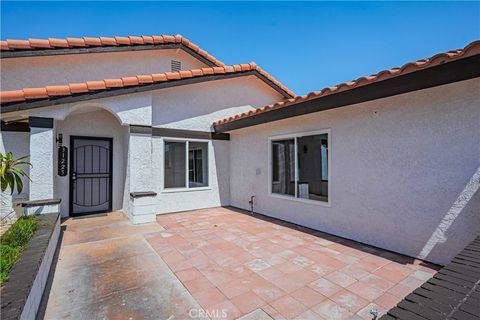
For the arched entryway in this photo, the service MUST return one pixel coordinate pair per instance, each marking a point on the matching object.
(96, 172)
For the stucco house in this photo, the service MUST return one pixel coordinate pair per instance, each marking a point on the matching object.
(135, 124)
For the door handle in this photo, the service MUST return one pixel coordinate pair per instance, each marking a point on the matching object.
(74, 176)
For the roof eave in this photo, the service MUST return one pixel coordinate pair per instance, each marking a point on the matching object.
(38, 103)
(106, 49)
(449, 72)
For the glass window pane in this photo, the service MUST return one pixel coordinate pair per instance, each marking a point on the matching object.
(283, 167)
(197, 164)
(175, 166)
(313, 167)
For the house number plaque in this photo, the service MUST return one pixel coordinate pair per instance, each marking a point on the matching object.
(62, 161)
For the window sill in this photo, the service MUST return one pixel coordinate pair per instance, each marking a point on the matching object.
(306, 201)
(174, 190)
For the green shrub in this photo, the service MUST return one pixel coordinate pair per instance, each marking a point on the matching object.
(13, 242)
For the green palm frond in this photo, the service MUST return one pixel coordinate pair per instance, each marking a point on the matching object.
(10, 173)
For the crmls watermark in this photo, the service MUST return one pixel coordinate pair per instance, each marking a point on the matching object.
(211, 313)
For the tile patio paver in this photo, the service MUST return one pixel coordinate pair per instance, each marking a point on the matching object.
(332, 311)
(308, 296)
(288, 307)
(257, 314)
(327, 277)
(325, 287)
(247, 302)
(349, 300)
(223, 259)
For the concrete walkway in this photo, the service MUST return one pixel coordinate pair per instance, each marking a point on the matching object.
(107, 270)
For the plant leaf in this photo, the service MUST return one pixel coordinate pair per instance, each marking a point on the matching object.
(24, 157)
(11, 181)
(4, 183)
(19, 171)
(19, 182)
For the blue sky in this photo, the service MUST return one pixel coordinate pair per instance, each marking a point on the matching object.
(305, 45)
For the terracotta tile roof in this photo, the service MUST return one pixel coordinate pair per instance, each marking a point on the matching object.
(445, 57)
(10, 45)
(94, 86)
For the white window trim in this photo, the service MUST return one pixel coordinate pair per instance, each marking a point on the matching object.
(294, 136)
(186, 188)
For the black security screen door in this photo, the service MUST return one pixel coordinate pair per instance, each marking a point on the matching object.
(90, 175)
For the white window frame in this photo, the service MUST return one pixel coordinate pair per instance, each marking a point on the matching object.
(186, 188)
(295, 136)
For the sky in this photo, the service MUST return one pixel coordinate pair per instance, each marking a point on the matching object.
(305, 45)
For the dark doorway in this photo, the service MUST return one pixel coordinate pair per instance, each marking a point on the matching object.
(90, 175)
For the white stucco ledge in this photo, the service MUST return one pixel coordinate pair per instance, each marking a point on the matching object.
(141, 207)
(37, 207)
(142, 194)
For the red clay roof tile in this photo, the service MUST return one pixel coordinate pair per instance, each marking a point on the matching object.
(136, 40)
(157, 39)
(145, 78)
(148, 39)
(197, 72)
(92, 42)
(4, 46)
(113, 83)
(18, 44)
(90, 86)
(96, 85)
(76, 42)
(168, 39)
(468, 51)
(35, 93)
(185, 74)
(108, 41)
(58, 90)
(58, 43)
(15, 95)
(78, 87)
(130, 81)
(172, 75)
(159, 77)
(218, 70)
(37, 44)
(207, 71)
(123, 40)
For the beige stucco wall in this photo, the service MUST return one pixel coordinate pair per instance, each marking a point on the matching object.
(398, 166)
(28, 72)
(191, 107)
(197, 106)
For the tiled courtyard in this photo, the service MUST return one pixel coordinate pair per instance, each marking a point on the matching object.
(229, 260)
(222, 260)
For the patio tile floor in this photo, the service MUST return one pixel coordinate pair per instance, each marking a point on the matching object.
(225, 261)
(229, 259)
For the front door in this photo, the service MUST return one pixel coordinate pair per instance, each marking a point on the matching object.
(90, 175)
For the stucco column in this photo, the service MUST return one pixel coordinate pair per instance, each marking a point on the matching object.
(141, 208)
(42, 143)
